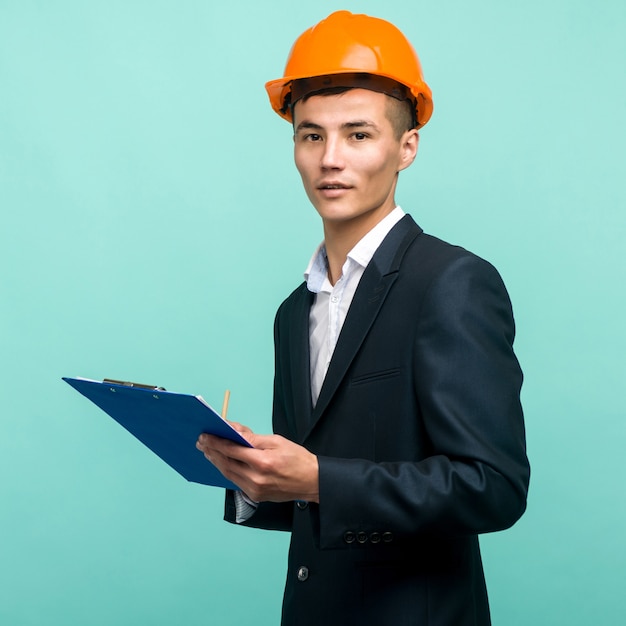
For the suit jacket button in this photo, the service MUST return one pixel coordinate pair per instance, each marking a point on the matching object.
(303, 573)
(387, 537)
(361, 537)
(375, 537)
(302, 504)
(349, 536)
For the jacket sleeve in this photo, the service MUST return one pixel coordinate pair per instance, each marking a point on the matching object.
(467, 384)
(268, 515)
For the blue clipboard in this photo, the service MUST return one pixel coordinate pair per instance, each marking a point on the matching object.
(166, 422)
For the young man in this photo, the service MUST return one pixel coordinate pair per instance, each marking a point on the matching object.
(399, 433)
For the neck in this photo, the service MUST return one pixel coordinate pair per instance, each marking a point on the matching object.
(340, 237)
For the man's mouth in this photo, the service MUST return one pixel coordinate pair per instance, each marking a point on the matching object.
(333, 186)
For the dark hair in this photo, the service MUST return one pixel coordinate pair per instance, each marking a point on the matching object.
(400, 109)
(401, 113)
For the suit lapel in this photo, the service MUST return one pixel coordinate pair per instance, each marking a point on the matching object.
(299, 340)
(375, 284)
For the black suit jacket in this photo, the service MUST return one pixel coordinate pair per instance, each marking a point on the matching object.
(420, 438)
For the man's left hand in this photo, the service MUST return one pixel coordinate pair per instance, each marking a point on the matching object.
(274, 469)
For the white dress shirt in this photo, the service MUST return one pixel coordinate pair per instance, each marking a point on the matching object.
(331, 304)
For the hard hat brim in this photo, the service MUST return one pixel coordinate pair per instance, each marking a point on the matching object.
(279, 93)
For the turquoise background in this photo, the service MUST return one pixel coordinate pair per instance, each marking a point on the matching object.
(152, 221)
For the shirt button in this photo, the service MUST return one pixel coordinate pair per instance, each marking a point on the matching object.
(303, 573)
(361, 536)
(387, 537)
(334, 299)
(375, 537)
(349, 536)
(301, 504)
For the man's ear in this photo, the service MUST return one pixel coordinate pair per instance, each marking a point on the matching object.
(408, 148)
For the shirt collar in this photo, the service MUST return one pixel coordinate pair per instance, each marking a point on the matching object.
(316, 272)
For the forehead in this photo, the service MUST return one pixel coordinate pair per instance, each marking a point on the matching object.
(349, 106)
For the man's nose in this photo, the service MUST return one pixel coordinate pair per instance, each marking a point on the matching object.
(332, 156)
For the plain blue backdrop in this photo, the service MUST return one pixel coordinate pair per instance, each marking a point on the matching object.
(147, 192)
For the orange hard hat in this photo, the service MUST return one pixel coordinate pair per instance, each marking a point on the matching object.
(349, 44)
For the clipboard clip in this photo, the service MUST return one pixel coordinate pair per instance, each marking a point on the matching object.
(126, 383)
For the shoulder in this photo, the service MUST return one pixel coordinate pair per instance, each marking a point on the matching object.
(449, 280)
(435, 252)
(298, 301)
(407, 246)
(431, 259)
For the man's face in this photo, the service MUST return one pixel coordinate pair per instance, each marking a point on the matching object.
(348, 156)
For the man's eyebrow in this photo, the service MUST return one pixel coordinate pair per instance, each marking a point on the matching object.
(306, 125)
(359, 124)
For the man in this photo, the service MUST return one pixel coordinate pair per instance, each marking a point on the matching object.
(398, 429)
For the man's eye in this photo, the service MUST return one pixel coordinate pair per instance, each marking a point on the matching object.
(312, 137)
(360, 136)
